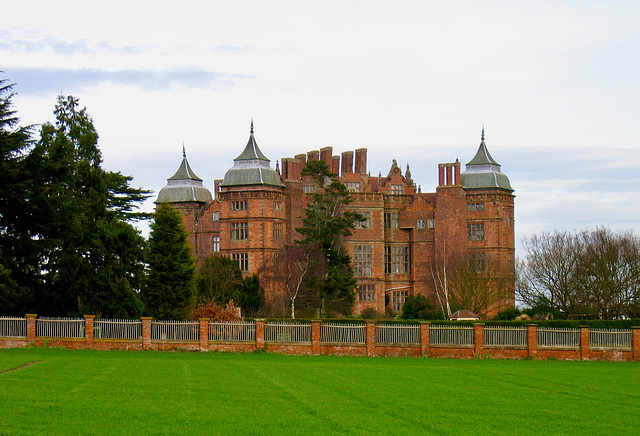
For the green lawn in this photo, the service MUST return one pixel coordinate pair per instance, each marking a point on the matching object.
(111, 392)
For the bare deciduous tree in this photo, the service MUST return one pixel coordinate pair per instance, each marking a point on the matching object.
(593, 272)
(292, 266)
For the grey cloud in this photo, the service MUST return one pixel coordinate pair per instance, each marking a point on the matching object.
(43, 80)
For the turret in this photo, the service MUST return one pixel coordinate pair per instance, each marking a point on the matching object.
(184, 186)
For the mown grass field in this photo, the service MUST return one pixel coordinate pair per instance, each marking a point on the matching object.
(111, 392)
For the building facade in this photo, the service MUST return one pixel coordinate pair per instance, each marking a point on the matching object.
(400, 249)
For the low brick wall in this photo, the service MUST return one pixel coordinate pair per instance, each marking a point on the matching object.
(425, 348)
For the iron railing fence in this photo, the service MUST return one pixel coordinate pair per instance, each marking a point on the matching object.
(610, 338)
(398, 334)
(555, 337)
(60, 327)
(232, 331)
(117, 329)
(505, 336)
(13, 327)
(287, 332)
(175, 331)
(451, 335)
(335, 333)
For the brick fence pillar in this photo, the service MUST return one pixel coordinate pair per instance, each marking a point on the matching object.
(371, 338)
(532, 341)
(635, 342)
(260, 334)
(88, 331)
(478, 339)
(203, 333)
(146, 332)
(425, 339)
(31, 328)
(315, 337)
(585, 350)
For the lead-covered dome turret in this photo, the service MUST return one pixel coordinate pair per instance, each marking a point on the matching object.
(184, 186)
(251, 167)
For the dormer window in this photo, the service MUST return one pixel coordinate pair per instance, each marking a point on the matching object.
(397, 189)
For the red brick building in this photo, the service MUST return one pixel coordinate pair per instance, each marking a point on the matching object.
(256, 210)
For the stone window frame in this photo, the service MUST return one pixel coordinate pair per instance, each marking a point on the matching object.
(397, 189)
(421, 224)
(277, 205)
(367, 293)
(215, 216)
(216, 244)
(352, 186)
(277, 231)
(397, 259)
(363, 260)
(398, 298)
(472, 207)
(476, 231)
(392, 220)
(240, 231)
(366, 224)
(242, 259)
(239, 205)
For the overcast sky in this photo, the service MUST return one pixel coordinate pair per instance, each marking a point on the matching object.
(556, 84)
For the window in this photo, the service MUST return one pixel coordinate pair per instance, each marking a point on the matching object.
(277, 205)
(215, 216)
(308, 189)
(477, 262)
(239, 205)
(396, 259)
(367, 293)
(216, 243)
(242, 259)
(398, 300)
(277, 231)
(239, 231)
(391, 220)
(352, 186)
(510, 220)
(366, 224)
(431, 223)
(397, 189)
(471, 207)
(362, 260)
(422, 224)
(476, 232)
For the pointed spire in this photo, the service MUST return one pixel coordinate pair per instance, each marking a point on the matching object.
(482, 137)
(184, 152)
(251, 126)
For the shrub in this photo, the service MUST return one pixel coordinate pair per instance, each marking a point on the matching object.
(370, 313)
(216, 313)
(508, 314)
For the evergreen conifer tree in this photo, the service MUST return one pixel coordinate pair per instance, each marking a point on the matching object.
(169, 289)
(326, 223)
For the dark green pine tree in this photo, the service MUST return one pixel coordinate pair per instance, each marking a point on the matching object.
(18, 259)
(91, 257)
(169, 289)
(326, 223)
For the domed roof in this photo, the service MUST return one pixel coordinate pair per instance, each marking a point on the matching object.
(184, 186)
(483, 172)
(251, 167)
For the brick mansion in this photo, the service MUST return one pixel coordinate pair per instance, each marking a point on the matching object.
(255, 210)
